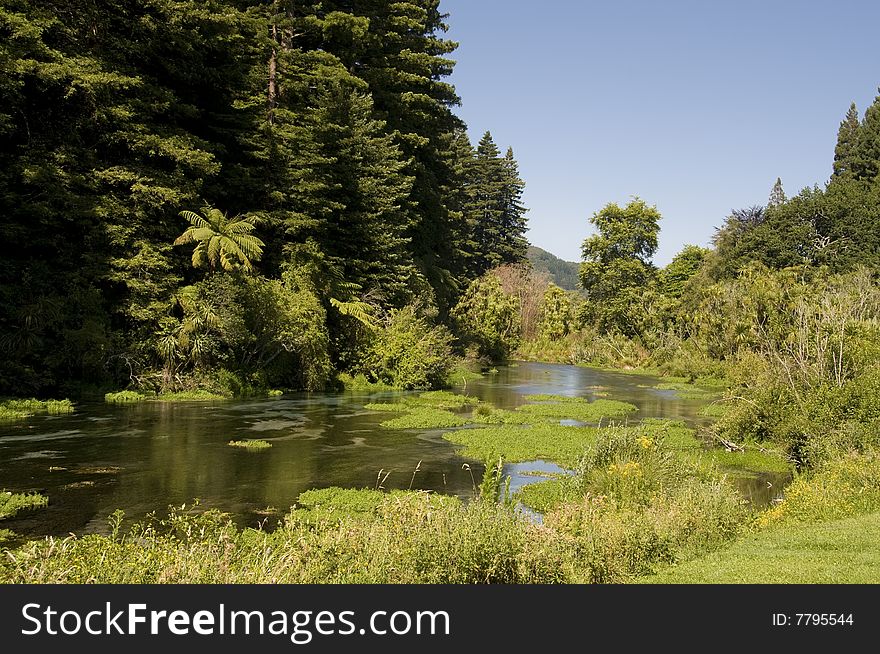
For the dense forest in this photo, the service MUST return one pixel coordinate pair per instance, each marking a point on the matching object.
(234, 199)
(235, 195)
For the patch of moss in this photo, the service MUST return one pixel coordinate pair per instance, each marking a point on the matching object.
(251, 444)
(394, 407)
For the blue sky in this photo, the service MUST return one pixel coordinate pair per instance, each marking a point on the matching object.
(696, 107)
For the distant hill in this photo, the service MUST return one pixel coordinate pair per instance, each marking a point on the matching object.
(563, 273)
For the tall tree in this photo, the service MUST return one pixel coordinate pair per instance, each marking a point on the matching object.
(617, 261)
(494, 208)
(777, 194)
(513, 243)
(866, 165)
(847, 141)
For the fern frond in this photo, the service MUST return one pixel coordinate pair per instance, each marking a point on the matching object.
(360, 311)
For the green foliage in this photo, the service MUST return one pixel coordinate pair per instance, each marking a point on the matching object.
(562, 273)
(329, 127)
(493, 208)
(125, 397)
(251, 444)
(191, 396)
(518, 443)
(557, 314)
(411, 538)
(12, 503)
(687, 263)
(221, 242)
(839, 552)
(251, 325)
(21, 409)
(578, 409)
(845, 487)
(617, 262)
(489, 318)
(425, 418)
(409, 352)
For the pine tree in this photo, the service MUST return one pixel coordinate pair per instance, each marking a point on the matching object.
(847, 139)
(777, 194)
(486, 205)
(866, 164)
(513, 244)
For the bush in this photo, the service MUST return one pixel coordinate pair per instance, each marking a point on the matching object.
(489, 318)
(409, 352)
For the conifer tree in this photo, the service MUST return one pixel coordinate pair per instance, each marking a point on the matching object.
(777, 194)
(847, 139)
(513, 243)
(866, 164)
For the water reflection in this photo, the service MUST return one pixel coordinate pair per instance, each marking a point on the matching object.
(146, 456)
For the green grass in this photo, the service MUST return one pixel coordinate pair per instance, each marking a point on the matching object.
(836, 552)
(486, 414)
(425, 418)
(12, 409)
(751, 460)
(11, 503)
(546, 495)
(844, 488)
(251, 444)
(407, 538)
(125, 397)
(7, 535)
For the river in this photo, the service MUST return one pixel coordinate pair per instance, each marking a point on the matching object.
(143, 457)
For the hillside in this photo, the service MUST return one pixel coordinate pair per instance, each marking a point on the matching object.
(563, 273)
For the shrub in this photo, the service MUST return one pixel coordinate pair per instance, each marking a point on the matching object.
(489, 318)
(409, 352)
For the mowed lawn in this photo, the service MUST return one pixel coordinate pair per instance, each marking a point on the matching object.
(839, 552)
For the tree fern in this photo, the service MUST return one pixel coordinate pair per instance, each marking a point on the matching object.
(221, 241)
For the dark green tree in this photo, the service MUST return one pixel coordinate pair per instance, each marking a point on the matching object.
(847, 141)
(674, 277)
(494, 208)
(866, 162)
(616, 265)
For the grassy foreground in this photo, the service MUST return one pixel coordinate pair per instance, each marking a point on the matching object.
(836, 552)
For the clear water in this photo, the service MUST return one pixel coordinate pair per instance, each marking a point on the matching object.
(144, 457)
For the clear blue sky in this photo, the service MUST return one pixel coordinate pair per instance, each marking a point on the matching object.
(696, 107)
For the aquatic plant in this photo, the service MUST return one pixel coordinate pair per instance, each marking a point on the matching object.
(18, 409)
(251, 444)
(126, 397)
(11, 503)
